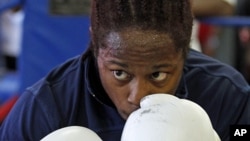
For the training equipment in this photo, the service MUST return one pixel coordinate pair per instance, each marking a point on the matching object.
(72, 133)
(163, 117)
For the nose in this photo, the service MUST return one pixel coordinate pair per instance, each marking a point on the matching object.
(138, 90)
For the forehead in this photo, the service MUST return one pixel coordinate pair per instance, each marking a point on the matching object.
(139, 43)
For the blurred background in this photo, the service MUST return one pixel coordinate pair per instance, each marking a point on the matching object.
(35, 36)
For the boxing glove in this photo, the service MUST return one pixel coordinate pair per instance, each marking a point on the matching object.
(72, 133)
(164, 117)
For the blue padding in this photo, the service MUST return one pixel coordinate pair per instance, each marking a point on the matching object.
(7, 4)
(227, 21)
(55, 40)
(9, 86)
(48, 39)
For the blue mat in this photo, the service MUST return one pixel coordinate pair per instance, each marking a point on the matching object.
(9, 86)
(49, 37)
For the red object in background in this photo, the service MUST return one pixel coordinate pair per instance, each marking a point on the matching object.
(204, 33)
(6, 107)
(208, 36)
(244, 35)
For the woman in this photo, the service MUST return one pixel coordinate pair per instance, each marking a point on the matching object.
(137, 48)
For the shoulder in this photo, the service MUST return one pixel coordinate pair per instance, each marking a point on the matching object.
(68, 73)
(217, 87)
(65, 81)
(200, 68)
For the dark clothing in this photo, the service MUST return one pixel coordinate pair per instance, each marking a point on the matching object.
(242, 50)
(71, 94)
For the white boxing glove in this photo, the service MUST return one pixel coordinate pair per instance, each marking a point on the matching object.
(72, 133)
(163, 117)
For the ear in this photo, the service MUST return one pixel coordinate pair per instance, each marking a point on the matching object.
(93, 44)
(90, 30)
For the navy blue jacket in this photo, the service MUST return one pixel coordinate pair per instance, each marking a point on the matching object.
(71, 94)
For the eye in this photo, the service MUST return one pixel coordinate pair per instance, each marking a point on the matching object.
(159, 76)
(121, 75)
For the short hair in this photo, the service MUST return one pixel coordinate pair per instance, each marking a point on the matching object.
(173, 17)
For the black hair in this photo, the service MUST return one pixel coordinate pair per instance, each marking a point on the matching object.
(173, 17)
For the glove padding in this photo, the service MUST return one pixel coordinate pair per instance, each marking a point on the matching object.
(163, 117)
(72, 133)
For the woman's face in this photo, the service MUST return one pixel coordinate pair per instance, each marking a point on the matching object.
(136, 63)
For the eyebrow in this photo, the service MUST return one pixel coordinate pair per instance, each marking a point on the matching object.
(162, 66)
(118, 63)
(155, 67)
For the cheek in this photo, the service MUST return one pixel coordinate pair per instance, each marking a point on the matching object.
(115, 92)
(174, 80)
(178, 78)
(175, 83)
